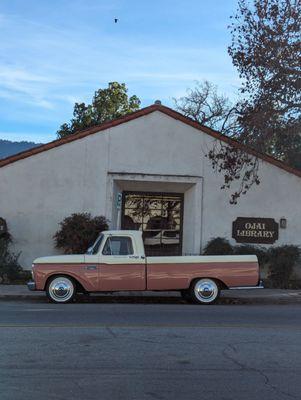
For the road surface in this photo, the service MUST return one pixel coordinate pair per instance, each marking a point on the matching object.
(149, 351)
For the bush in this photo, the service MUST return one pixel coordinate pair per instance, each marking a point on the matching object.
(10, 270)
(218, 246)
(282, 260)
(78, 232)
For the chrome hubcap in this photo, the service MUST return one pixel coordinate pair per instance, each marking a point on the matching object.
(206, 290)
(61, 289)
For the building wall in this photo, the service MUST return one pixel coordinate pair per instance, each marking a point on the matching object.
(277, 196)
(38, 192)
(152, 153)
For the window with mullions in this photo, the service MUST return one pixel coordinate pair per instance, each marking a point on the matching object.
(159, 216)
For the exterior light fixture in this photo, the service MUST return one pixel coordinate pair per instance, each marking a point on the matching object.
(283, 223)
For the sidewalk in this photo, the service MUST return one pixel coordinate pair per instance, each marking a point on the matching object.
(254, 296)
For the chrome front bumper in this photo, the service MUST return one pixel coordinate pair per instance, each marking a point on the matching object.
(31, 285)
(259, 286)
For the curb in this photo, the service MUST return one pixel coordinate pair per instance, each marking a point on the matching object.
(135, 299)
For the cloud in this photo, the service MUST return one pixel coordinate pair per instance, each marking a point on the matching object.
(22, 86)
(53, 59)
(26, 136)
(12, 76)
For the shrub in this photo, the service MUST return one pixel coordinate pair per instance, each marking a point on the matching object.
(259, 251)
(78, 231)
(282, 260)
(10, 270)
(218, 246)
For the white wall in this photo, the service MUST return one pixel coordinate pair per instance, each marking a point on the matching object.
(36, 193)
(278, 195)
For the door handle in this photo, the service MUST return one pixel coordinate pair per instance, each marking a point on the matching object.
(91, 267)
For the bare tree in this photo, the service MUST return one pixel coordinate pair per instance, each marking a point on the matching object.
(266, 50)
(206, 106)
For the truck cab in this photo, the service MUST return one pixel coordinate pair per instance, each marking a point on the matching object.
(127, 244)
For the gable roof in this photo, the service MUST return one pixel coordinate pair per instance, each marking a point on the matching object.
(140, 113)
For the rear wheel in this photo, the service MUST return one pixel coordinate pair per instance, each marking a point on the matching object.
(60, 289)
(204, 291)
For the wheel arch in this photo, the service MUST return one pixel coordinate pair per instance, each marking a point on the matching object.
(220, 283)
(79, 285)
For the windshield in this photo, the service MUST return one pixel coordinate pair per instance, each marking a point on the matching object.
(94, 249)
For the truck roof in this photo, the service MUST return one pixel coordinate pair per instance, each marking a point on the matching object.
(123, 232)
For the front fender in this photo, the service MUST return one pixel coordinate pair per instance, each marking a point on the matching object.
(42, 273)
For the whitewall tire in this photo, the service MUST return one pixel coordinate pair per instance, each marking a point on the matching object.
(204, 291)
(61, 289)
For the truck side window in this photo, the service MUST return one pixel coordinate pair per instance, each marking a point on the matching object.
(118, 246)
(96, 245)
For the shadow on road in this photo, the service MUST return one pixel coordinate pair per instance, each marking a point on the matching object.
(111, 299)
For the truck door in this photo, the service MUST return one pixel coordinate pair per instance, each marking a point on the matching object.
(121, 268)
(90, 269)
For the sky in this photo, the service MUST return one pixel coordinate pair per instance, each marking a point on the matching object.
(54, 53)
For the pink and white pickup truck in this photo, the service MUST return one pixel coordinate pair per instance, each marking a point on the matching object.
(117, 262)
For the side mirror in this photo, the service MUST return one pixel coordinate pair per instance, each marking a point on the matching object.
(90, 250)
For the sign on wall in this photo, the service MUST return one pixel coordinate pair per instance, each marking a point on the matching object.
(119, 201)
(255, 230)
(3, 226)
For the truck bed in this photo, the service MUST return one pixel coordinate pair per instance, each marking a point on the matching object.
(168, 273)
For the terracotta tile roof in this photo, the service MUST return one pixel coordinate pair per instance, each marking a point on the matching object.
(145, 111)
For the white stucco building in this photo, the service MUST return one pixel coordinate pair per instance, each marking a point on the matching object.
(153, 161)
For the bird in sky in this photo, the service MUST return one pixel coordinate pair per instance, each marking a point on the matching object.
(115, 20)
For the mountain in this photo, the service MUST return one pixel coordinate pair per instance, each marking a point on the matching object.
(8, 148)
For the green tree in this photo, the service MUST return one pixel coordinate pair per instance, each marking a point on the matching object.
(107, 104)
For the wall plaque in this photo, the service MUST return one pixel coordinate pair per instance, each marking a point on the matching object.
(255, 230)
(3, 226)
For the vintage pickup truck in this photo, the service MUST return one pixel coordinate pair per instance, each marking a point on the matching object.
(117, 262)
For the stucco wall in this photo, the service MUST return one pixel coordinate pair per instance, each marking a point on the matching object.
(277, 196)
(36, 193)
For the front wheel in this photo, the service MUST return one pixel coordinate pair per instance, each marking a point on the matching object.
(204, 291)
(60, 289)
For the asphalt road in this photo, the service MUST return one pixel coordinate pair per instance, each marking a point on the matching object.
(149, 351)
